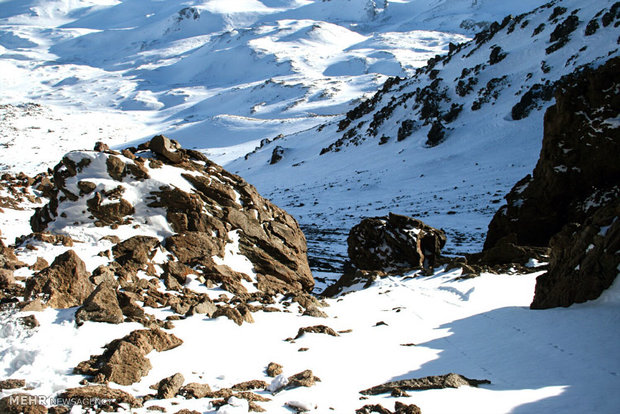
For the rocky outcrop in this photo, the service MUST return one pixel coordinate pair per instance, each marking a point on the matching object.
(570, 202)
(209, 211)
(578, 157)
(64, 284)
(124, 360)
(584, 260)
(399, 408)
(394, 241)
(427, 383)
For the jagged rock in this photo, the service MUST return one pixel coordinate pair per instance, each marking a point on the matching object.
(394, 241)
(123, 360)
(65, 283)
(195, 390)
(574, 159)
(100, 396)
(21, 403)
(427, 383)
(577, 175)
(101, 306)
(302, 379)
(316, 329)
(11, 384)
(584, 260)
(507, 251)
(274, 369)
(234, 314)
(168, 387)
(276, 155)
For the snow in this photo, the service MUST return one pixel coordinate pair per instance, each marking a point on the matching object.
(76, 72)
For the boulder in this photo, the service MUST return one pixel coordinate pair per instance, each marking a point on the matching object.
(101, 306)
(124, 360)
(168, 387)
(64, 284)
(274, 369)
(394, 241)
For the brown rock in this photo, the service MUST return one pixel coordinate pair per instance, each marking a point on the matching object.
(136, 251)
(64, 283)
(6, 278)
(39, 265)
(394, 241)
(124, 360)
(316, 329)
(192, 248)
(274, 369)
(426, 383)
(100, 396)
(101, 147)
(302, 379)
(101, 306)
(116, 167)
(168, 387)
(401, 408)
(29, 322)
(86, 187)
(11, 384)
(163, 146)
(109, 212)
(233, 314)
(22, 404)
(33, 306)
(195, 390)
(250, 385)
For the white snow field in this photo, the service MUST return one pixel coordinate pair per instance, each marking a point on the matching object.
(222, 75)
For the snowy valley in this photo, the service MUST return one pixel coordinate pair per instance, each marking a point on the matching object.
(203, 206)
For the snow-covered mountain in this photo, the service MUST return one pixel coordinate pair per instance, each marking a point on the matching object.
(446, 143)
(335, 110)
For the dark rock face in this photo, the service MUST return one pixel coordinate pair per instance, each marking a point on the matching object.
(578, 156)
(394, 241)
(65, 283)
(584, 260)
(570, 203)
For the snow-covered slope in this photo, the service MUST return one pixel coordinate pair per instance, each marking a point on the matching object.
(445, 144)
(219, 73)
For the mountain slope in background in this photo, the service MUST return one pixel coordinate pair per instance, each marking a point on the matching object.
(446, 144)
